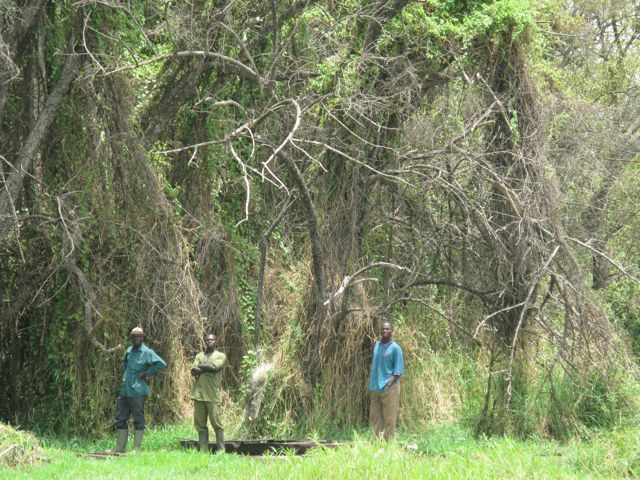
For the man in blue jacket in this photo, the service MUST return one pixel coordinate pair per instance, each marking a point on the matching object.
(140, 364)
(387, 365)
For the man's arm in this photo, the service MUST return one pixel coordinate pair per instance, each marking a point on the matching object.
(215, 365)
(155, 362)
(195, 370)
(205, 367)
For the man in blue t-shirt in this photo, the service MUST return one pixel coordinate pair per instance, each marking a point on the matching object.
(387, 365)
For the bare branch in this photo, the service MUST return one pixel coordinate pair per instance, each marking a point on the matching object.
(351, 159)
(523, 315)
(607, 258)
(88, 307)
(349, 280)
(239, 67)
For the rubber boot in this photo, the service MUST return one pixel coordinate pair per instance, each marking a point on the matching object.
(121, 441)
(137, 440)
(220, 441)
(203, 441)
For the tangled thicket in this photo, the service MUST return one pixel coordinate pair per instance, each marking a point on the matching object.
(287, 174)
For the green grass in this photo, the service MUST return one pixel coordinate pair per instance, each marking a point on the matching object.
(447, 452)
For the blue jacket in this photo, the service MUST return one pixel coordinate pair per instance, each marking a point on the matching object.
(136, 361)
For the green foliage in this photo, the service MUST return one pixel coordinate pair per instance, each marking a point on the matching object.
(248, 289)
(600, 403)
(472, 20)
(622, 299)
(247, 365)
(171, 191)
(613, 454)
(327, 75)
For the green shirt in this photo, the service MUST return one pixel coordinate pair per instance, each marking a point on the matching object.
(207, 386)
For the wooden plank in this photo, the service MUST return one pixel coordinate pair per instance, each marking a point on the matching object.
(261, 447)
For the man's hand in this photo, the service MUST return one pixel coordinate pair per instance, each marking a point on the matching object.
(196, 372)
(142, 375)
(391, 382)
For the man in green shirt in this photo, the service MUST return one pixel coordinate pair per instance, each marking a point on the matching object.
(140, 364)
(206, 369)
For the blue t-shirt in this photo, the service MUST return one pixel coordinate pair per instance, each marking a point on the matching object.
(136, 361)
(387, 361)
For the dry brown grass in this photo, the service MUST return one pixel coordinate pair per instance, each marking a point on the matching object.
(431, 388)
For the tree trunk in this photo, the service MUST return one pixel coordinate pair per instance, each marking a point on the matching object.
(15, 181)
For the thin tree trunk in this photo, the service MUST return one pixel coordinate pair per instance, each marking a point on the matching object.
(15, 182)
(263, 263)
(312, 224)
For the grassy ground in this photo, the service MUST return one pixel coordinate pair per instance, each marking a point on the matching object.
(443, 453)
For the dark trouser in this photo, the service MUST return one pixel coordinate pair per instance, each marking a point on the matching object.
(127, 407)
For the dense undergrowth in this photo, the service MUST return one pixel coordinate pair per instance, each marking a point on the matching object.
(466, 169)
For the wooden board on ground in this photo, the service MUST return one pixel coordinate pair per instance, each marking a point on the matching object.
(101, 455)
(261, 447)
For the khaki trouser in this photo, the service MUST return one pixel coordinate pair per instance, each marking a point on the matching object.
(383, 413)
(202, 410)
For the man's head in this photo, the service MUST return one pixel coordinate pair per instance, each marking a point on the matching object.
(210, 342)
(137, 336)
(386, 331)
